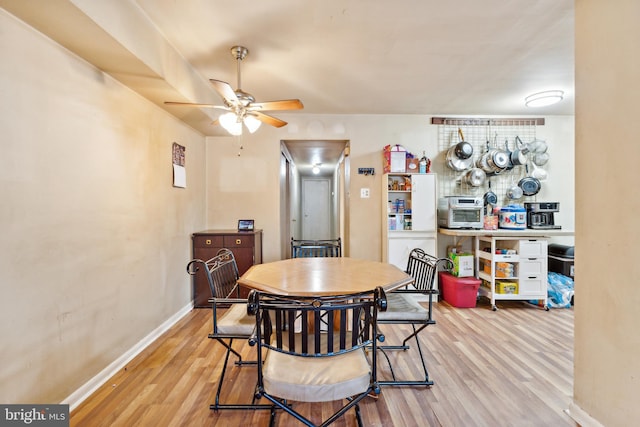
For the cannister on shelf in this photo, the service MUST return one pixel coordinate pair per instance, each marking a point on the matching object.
(513, 217)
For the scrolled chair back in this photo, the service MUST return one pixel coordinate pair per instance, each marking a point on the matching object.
(424, 267)
(316, 248)
(310, 326)
(221, 272)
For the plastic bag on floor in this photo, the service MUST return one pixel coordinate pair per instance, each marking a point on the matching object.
(559, 291)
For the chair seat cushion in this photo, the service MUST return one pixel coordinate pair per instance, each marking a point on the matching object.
(403, 306)
(235, 321)
(316, 379)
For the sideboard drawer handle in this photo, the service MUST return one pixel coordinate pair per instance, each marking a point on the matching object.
(238, 241)
(208, 241)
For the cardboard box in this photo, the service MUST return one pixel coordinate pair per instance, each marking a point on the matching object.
(462, 264)
(486, 265)
(504, 287)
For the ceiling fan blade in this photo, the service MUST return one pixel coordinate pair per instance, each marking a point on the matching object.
(191, 104)
(285, 104)
(225, 90)
(270, 120)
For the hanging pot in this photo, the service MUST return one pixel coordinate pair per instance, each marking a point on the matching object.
(498, 160)
(490, 198)
(483, 161)
(535, 146)
(540, 159)
(538, 173)
(530, 186)
(514, 192)
(517, 157)
(463, 150)
(524, 148)
(493, 161)
(475, 177)
(538, 146)
(457, 164)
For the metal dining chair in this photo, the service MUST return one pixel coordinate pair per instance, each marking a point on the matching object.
(404, 309)
(321, 360)
(316, 248)
(230, 318)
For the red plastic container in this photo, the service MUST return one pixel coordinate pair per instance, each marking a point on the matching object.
(461, 292)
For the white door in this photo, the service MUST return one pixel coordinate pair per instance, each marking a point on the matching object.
(316, 209)
(423, 202)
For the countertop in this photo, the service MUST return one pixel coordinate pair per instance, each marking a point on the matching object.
(501, 232)
(228, 231)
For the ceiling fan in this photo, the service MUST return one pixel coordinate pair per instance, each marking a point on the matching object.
(242, 106)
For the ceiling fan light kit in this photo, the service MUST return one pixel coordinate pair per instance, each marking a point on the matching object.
(542, 99)
(241, 106)
(230, 122)
(252, 123)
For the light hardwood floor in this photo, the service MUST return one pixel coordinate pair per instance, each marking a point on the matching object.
(512, 367)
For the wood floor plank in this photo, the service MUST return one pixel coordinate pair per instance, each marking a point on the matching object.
(511, 367)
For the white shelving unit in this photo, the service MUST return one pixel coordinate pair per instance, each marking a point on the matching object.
(416, 225)
(527, 276)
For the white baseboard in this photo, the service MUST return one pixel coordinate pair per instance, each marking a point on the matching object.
(581, 417)
(78, 396)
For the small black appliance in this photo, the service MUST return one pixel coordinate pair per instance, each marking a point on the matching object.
(540, 215)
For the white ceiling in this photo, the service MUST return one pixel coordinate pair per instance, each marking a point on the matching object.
(461, 57)
(378, 57)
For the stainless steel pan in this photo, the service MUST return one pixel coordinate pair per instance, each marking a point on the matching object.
(475, 177)
(490, 198)
(459, 156)
(530, 186)
(516, 157)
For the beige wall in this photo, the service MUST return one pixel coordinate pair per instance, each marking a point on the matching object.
(94, 237)
(607, 342)
(247, 185)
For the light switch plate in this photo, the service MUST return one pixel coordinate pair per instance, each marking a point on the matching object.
(364, 193)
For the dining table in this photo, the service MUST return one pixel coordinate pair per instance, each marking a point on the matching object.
(317, 277)
(324, 276)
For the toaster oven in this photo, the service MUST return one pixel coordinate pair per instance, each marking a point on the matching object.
(460, 212)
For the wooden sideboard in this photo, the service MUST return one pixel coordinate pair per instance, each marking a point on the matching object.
(245, 245)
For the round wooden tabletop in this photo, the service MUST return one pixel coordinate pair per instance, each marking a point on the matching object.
(323, 276)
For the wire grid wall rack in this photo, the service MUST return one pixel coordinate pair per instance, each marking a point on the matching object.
(484, 134)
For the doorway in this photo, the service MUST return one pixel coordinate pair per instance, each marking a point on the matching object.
(314, 180)
(316, 210)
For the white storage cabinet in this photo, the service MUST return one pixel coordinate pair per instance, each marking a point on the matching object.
(417, 228)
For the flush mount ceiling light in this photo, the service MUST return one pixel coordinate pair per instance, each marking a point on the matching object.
(542, 99)
(316, 168)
